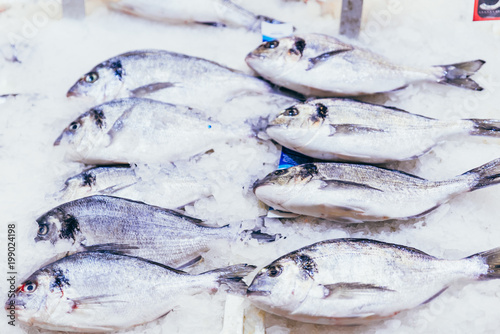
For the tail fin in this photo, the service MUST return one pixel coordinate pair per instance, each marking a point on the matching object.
(260, 236)
(486, 127)
(458, 74)
(492, 259)
(232, 277)
(485, 175)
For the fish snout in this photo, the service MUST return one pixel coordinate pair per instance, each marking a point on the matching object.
(58, 140)
(13, 304)
(262, 182)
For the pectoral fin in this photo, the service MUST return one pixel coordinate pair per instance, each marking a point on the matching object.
(114, 248)
(151, 88)
(329, 184)
(118, 124)
(94, 301)
(351, 128)
(324, 57)
(352, 290)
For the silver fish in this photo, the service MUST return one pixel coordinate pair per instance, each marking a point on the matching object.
(104, 292)
(98, 180)
(210, 12)
(142, 130)
(176, 189)
(173, 78)
(321, 65)
(342, 129)
(354, 281)
(357, 193)
(106, 222)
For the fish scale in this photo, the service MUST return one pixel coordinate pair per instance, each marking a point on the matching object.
(355, 193)
(139, 229)
(349, 130)
(356, 281)
(104, 292)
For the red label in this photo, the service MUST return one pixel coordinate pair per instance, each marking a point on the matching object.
(485, 10)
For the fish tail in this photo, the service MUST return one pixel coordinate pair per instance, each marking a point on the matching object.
(485, 175)
(232, 277)
(261, 237)
(492, 259)
(458, 74)
(485, 127)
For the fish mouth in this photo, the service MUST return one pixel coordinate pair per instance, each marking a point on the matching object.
(72, 92)
(260, 183)
(18, 306)
(58, 140)
(258, 292)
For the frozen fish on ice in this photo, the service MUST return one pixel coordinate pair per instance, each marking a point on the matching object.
(142, 130)
(357, 193)
(174, 78)
(321, 65)
(354, 281)
(139, 229)
(211, 12)
(348, 130)
(99, 180)
(176, 187)
(105, 291)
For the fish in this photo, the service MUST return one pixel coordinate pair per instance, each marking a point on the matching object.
(174, 78)
(355, 193)
(99, 180)
(209, 12)
(323, 66)
(349, 130)
(137, 130)
(357, 281)
(105, 291)
(175, 187)
(105, 222)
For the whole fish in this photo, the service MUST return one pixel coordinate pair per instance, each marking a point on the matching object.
(104, 292)
(150, 232)
(176, 189)
(210, 12)
(357, 193)
(99, 180)
(342, 129)
(354, 281)
(320, 65)
(142, 130)
(171, 77)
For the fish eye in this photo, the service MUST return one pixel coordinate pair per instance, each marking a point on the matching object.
(271, 44)
(43, 230)
(74, 126)
(274, 271)
(29, 287)
(279, 172)
(91, 77)
(292, 111)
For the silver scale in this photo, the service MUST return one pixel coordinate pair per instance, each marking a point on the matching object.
(350, 20)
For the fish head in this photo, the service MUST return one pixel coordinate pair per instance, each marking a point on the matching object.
(283, 284)
(274, 58)
(79, 185)
(57, 225)
(284, 184)
(297, 125)
(103, 83)
(87, 131)
(35, 298)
